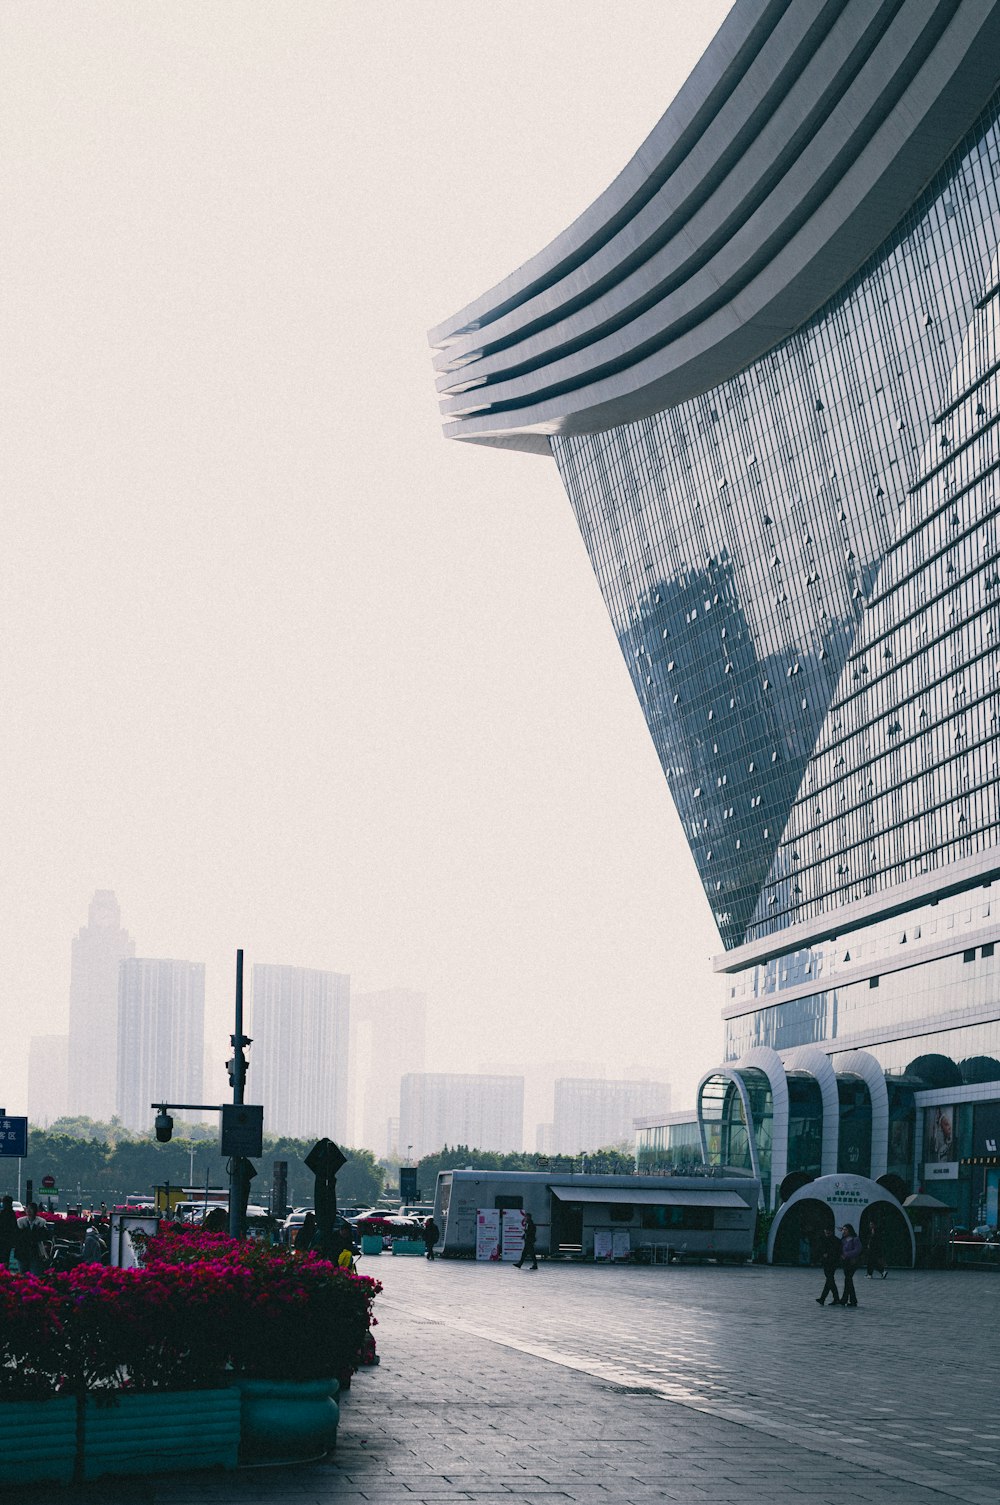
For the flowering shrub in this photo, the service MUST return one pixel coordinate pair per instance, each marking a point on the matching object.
(305, 1318)
(32, 1325)
(203, 1307)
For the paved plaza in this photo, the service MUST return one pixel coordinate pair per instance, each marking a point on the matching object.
(589, 1384)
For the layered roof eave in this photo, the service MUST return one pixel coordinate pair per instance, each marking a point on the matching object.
(732, 309)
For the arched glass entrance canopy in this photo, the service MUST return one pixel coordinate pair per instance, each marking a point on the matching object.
(807, 1115)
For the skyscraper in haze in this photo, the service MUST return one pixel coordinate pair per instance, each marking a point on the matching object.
(93, 1008)
(388, 1032)
(48, 1059)
(298, 1063)
(439, 1108)
(161, 1036)
(595, 1113)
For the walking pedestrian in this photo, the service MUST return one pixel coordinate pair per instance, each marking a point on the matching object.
(528, 1251)
(850, 1248)
(876, 1258)
(830, 1256)
(430, 1234)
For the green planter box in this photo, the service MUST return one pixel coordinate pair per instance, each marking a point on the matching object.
(287, 1421)
(37, 1441)
(408, 1246)
(371, 1243)
(166, 1432)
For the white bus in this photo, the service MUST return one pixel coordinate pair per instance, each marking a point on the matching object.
(656, 1218)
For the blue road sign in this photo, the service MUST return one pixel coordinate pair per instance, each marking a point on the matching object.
(13, 1136)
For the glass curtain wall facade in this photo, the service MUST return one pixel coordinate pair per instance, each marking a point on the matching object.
(803, 570)
(766, 363)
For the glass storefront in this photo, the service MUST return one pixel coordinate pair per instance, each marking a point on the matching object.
(805, 1124)
(664, 1147)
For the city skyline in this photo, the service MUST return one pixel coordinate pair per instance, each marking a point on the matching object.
(283, 680)
(161, 1049)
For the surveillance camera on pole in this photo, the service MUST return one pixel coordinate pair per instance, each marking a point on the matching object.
(242, 1123)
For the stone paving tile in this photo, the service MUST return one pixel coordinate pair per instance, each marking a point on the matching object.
(604, 1386)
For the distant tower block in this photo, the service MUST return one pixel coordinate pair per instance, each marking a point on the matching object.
(98, 950)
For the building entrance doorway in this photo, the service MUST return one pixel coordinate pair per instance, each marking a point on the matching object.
(802, 1229)
(567, 1227)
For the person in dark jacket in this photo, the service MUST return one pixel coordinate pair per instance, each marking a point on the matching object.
(430, 1233)
(31, 1247)
(850, 1248)
(306, 1235)
(876, 1258)
(830, 1257)
(8, 1230)
(528, 1252)
(94, 1251)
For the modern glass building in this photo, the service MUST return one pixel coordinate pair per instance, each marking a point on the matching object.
(766, 364)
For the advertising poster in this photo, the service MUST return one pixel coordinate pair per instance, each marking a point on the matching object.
(487, 1233)
(603, 1244)
(511, 1234)
(939, 1135)
(621, 1244)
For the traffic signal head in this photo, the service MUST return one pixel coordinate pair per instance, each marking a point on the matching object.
(164, 1126)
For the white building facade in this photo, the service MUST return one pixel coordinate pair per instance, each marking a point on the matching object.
(596, 1113)
(161, 1036)
(299, 1058)
(439, 1108)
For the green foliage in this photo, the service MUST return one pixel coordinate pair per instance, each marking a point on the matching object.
(606, 1162)
(359, 1183)
(98, 1162)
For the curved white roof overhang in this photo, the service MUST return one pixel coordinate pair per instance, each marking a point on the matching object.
(791, 154)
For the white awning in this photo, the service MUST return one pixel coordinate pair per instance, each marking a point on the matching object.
(620, 1196)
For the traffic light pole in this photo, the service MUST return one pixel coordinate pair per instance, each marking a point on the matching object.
(241, 1171)
(239, 1183)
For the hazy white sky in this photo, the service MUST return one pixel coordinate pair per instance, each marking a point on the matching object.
(278, 664)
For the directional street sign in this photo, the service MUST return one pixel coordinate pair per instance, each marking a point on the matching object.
(13, 1136)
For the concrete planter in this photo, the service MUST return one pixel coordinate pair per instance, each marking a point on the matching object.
(162, 1432)
(38, 1441)
(287, 1420)
(68, 1439)
(408, 1246)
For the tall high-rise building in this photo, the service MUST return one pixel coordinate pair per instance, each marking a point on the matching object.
(439, 1108)
(48, 1067)
(388, 1037)
(766, 362)
(540, 1077)
(595, 1113)
(93, 1008)
(161, 1036)
(298, 1061)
